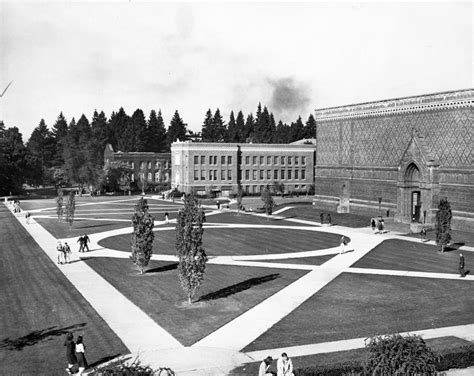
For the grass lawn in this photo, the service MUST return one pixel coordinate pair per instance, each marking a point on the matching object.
(238, 241)
(315, 260)
(246, 218)
(39, 306)
(397, 254)
(458, 238)
(79, 227)
(436, 344)
(357, 305)
(226, 293)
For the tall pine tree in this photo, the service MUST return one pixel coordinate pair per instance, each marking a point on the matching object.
(232, 133)
(207, 128)
(156, 133)
(176, 130)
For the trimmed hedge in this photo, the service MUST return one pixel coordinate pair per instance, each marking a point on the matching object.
(461, 357)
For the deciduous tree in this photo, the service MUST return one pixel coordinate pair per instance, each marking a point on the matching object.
(143, 235)
(70, 208)
(268, 202)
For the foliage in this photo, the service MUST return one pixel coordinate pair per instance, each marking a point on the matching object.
(268, 202)
(399, 355)
(176, 130)
(239, 198)
(443, 224)
(189, 249)
(278, 187)
(135, 368)
(116, 175)
(461, 357)
(70, 208)
(59, 204)
(142, 236)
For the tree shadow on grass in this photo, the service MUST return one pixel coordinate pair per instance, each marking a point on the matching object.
(163, 268)
(103, 360)
(454, 246)
(102, 225)
(38, 336)
(239, 287)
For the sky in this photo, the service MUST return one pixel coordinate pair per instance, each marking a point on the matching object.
(293, 57)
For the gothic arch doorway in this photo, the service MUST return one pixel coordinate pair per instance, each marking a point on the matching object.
(413, 184)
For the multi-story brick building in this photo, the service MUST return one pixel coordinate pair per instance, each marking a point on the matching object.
(400, 155)
(221, 168)
(151, 167)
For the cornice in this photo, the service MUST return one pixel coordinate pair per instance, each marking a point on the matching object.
(421, 103)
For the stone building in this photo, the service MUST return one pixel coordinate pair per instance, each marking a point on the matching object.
(154, 168)
(220, 168)
(398, 157)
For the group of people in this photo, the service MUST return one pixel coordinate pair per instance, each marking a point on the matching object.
(64, 252)
(75, 355)
(16, 206)
(324, 216)
(284, 366)
(378, 225)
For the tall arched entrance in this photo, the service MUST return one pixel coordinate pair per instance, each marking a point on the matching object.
(412, 184)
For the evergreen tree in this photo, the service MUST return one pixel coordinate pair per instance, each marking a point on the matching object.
(268, 202)
(207, 128)
(240, 128)
(70, 209)
(59, 133)
(176, 130)
(282, 133)
(41, 145)
(118, 125)
(248, 129)
(309, 130)
(218, 126)
(156, 133)
(296, 130)
(99, 139)
(142, 236)
(189, 249)
(443, 224)
(232, 133)
(139, 129)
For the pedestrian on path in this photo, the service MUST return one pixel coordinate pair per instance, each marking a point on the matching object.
(321, 217)
(81, 243)
(59, 252)
(423, 234)
(284, 366)
(372, 224)
(264, 367)
(329, 219)
(86, 241)
(27, 216)
(166, 217)
(67, 253)
(462, 272)
(80, 355)
(344, 242)
(70, 352)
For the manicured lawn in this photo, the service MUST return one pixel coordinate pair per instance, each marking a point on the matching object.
(226, 293)
(39, 306)
(458, 238)
(396, 254)
(315, 260)
(246, 218)
(238, 241)
(79, 227)
(436, 344)
(356, 305)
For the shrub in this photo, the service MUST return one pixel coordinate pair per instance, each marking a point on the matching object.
(134, 368)
(461, 357)
(399, 355)
(346, 368)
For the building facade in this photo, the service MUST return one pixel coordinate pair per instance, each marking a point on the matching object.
(398, 157)
(154, 168)
(221, 168)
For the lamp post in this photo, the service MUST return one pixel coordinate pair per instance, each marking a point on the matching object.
(380, 204)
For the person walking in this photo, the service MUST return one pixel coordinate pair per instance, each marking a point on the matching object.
(27, 216)
(70, 352)
(80, 355)
(81, 243)
(166, 217)
(344, 242)
(264, 366)
(59, 252)
(67, 253)
(372, 224)
(329, 219)
(86, 240)
(321, 217)
(284, 366)
(462, 272)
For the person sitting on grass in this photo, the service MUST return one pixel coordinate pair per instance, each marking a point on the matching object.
(264, 366)
(284, 366)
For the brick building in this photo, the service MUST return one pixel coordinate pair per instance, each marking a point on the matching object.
(153, 167)
(400, 155)
(220, 168)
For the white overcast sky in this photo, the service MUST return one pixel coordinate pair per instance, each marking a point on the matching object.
(75, 57)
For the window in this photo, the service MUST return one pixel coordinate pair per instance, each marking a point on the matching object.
(254, 160)
(247, 189)
(269, 160)
(203, 175)
(261, 159)
(289, 174)
(210, 174)
(149, 165)
(132, 177)
(229, 159)
(282, 160)
(289, 160)
(254, 174)
(275, 160)
(222, 174)
(196, 174)
(196, 159)
(157, 177)
(203, 159)
(297, 160)
(254, 188)
(133, 166)
(157, 165)
(215, 174)
(282, 174)
(215, 159)
(229, 174)
(303, 160)
(247, 160)
(142, 165)
(222, 159)
(149, 175)
(275, 174)
(303, 174)
(261, 174)
(210, 159)
(247, 174)
(269, 174)
(296, 174)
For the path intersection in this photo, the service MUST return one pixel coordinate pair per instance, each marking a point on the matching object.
(221, 351)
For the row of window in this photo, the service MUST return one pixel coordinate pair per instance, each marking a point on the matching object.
(151, 177)
(275, 160)
(201, 159)
(212, 175)
(148, 164)
(260, 188)
(276, 174)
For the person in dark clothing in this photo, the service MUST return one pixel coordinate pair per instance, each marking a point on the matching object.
(81, 358)
(462, 272)
(81, 243)
(86, 240)
(70, 352)
(321, 216)
(329, 219)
